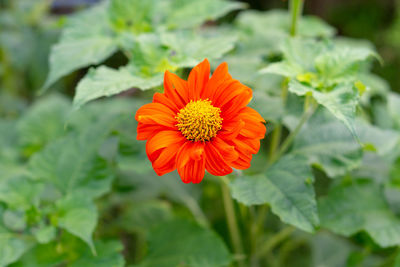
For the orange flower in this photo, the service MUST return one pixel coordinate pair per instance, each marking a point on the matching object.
(199, 124)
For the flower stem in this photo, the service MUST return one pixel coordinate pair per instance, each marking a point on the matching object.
(275, 240)
(231, 219)
(288, 141)
(296, 7)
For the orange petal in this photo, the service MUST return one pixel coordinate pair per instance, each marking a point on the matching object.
(215, 163)
(145, 131)
(238, 100)
(161, 140)
(163, 99)
(198, 79)
(219, 77)
(243, 162)
(231, 128)
(227, 151)
(190, 162)
(176, 89)
(166, 160)
(156, 113)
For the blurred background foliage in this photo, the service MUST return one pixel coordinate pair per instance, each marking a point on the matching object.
(78, 158)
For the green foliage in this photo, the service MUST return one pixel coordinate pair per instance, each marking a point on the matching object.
(348, 209)
(135, 27)
(77, 189)
(194, 246)
(287, 188)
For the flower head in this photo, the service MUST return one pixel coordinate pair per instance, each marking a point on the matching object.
(200, 124)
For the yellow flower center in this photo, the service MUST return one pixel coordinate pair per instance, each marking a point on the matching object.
(199, 120)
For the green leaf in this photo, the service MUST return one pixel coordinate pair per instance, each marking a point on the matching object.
(78, 215)
(190, 48)
(72, 163)
(342, 64)
(45, 234)
(133, 15)
(19, 192)
(108, 254)
(196, 246)
(85, 41)
(348, 209)
(394, 109)
(12, 246)
(328, 144)
(330, 250)
(144, 215)
(105, 81)
(43, 123)
(265, 22)
(287, 187)
(192, 13)
(341, 101)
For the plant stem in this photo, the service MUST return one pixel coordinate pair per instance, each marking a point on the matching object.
(296, 7)
(231, 219)
(275, 240)
(288, 141)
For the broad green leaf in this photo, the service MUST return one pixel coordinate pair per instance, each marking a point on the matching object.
(287, 187)
(329, 250)
(394, 109)
(191, 13)
(279, 20)
(348, 209)
(85, 41)
(135, 16)
(15, 220)
(108, 255)
(328, 144)
(12, 246)
(270, 107)
(299, 56)
(342, 64)
(142, 216)
(78, 215)
(45, 234)
(19, 192)
(105, 81)
(44, 122)
(341, 101)
(72, 163)
(196, 246)
(190, 48)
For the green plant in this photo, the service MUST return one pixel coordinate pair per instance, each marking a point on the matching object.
(77, 189)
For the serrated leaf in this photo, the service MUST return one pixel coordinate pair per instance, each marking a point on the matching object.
(45, 234)
(328, 144)
(12, 246)
(72, 163)
(341, 101)
(105, 81)
(348, 209)
(108, 255)
(43, 123)
(196, 246)
(287, 187)
(19, 192)
(133, 15)
(144, 215)
(192, 13)
(279, 20)
(190, 48)
(85, 41)
(78, 215)
(342, 64)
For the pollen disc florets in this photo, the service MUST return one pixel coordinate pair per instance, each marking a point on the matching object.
(199, 120)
